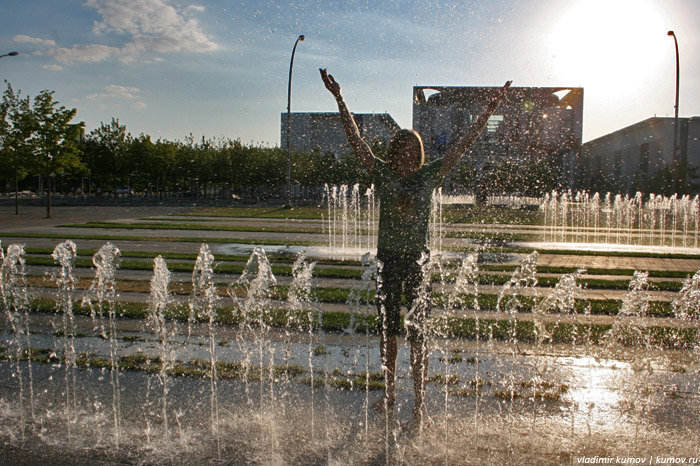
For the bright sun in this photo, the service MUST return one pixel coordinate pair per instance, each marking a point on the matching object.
(612, 46)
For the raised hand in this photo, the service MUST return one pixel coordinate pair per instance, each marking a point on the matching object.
(330, 83)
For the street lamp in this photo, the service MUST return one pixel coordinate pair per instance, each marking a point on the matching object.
(289, 124)
(11, 54)
(675, 119)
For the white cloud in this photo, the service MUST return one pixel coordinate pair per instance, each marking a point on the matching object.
(147, 25)
(152, 25)
(33, 40)
(52, 67)
(115, 91)
(197, 8)
(119, 94)
(91, 53)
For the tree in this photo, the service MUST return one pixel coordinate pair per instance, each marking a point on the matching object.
(663, 181)
(104, 151)
(16, 127)
(537, 176)
(55, 140)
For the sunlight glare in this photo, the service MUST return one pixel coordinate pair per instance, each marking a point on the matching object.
(609, 46)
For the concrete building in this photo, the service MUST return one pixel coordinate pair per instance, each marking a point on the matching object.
(533, 121)
(633, 158)
(325, 132)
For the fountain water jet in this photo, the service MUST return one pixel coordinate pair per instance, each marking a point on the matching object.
(15, 300)
(666, 222)
(203, 304)
(64, 253)
(158, 304)
(528, 371)
(103, 292)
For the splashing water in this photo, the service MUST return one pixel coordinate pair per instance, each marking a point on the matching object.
(103, 292)
(660, 221)
(299, 300)
(352, 219)
(630, 324)
(64, 253)
(158, 304)
(687, 305)
(300, 289)
(562, 301)
(522, 283)
(242, 434)
(203, 305)
(257, 279)
(15, 300)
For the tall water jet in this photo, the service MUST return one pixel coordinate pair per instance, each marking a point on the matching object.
(158, 305)
(299, 300)
(203, 305)
(631, 328)
(15, 300)
(466, 295)
(103, 293)
(437, 225)
(258, 281)
(687, 305)
(522, 284)
(64, 253)
(562, 301)
(351, 217)
(451, 304)
(348, 215)
(659, 221)
(302, 302)
(362, 305)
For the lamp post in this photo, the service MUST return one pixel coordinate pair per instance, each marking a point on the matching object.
(675, 119)
(289, 124)
(11, 54)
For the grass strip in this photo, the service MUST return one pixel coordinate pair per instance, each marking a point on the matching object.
(189, 226)
(173, 239)
(454, 327)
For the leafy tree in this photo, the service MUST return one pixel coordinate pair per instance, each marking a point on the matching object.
(16, 126)
(663, 181)
(55, 140)
(536, 177)
(104, 150)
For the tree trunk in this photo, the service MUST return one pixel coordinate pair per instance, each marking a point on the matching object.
(16, 194)
(48, 196)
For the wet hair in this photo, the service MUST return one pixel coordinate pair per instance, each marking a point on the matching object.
(399, 141)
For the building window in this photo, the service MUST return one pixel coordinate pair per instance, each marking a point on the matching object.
(493, 122)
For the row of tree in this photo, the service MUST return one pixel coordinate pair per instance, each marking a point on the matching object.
(43, 150)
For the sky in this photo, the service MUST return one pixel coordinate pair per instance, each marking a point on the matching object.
(219, 69)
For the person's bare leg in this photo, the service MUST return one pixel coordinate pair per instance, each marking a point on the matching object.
(419, 370)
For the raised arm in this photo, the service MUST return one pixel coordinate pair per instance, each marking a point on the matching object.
(361, 148)
(465, 141)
